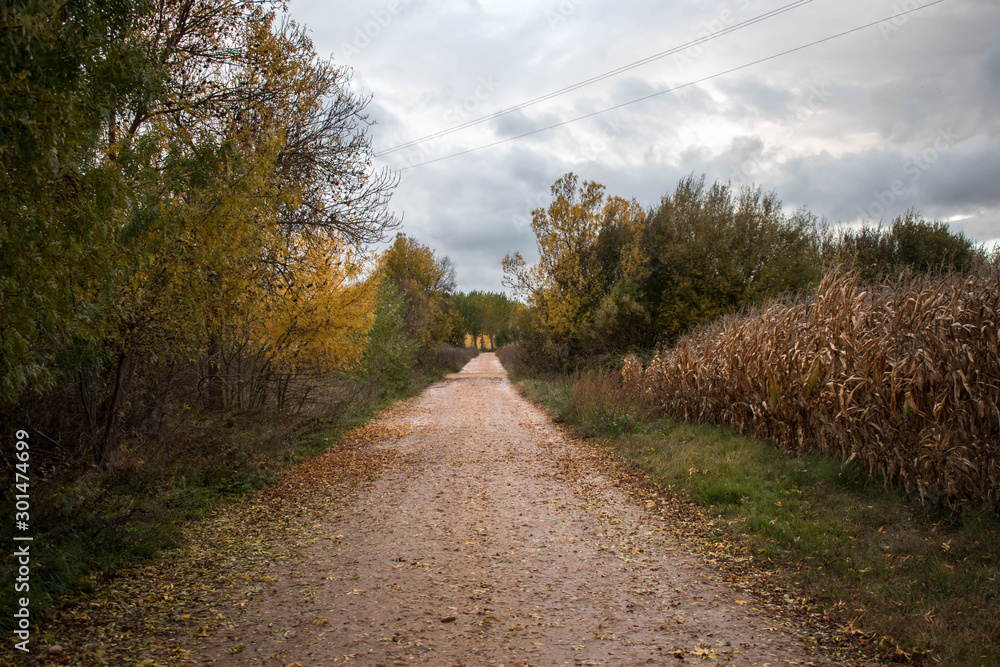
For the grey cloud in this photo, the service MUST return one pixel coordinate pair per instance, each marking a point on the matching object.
(890, 96)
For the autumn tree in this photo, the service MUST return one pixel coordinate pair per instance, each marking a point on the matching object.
(487, 314)
(179, 172)
(612, 276)
(565, 284)
(591, 261)
(426, 283)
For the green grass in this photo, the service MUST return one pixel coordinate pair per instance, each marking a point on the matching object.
(916, 578)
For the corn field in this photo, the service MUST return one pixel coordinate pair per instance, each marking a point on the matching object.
(902, 376)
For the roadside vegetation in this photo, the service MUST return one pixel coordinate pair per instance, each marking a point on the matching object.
(487, 317)
(859, 369)
(188, 299)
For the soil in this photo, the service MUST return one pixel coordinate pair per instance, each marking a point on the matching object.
(487, 540)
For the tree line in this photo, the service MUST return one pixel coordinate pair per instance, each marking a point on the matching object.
(187, 205)
(613, 276)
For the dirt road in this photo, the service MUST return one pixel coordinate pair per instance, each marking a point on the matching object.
(479, 545)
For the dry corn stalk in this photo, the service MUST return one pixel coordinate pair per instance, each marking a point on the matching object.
(903, 376)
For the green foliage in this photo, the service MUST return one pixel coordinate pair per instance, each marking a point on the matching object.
(488, 314)
(65, 70)
(389, 354)
(910, 242)
(715, 251)
(621, 321)
(612, 277)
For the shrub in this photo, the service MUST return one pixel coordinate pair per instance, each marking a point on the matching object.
(601, 404)
(514, 360)
(910, 242)
(446, 359)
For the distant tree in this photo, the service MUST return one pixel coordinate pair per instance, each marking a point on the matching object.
(471, 310)
(426, 284)
(566, 284)
(910, 242)
(489, 314)
(611, 276)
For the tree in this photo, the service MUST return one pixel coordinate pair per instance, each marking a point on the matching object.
(565, 285)
(389, 354)
(470, 307)
(910, 242)
(65, 68)
(713, 250)
(592, 263)
(611, 276)
(177, 173)
(427, 284)
(488, 314)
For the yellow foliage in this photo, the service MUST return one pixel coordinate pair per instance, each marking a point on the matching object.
(319, 318)
(565, 284)
(629, 217)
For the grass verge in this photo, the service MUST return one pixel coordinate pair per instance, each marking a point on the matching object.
(917, 582)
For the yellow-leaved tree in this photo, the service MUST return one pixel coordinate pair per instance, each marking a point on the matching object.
(318, 319)
(565, 284)
(591, 263)
(426, 283)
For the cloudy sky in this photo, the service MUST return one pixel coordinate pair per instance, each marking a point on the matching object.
(904, 113)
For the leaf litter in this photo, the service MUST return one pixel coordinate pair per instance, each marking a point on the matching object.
(463, 528)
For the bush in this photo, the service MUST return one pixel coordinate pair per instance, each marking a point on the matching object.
(446, 359)
(390, 354)
(910, 242)
(601, 404)
(514, 361)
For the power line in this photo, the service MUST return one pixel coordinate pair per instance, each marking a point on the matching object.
(670, 90)
(601, 77)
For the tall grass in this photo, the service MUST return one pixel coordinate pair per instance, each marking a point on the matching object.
(601, 404)
(447, 359)
(902, 376)
(515, 361)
